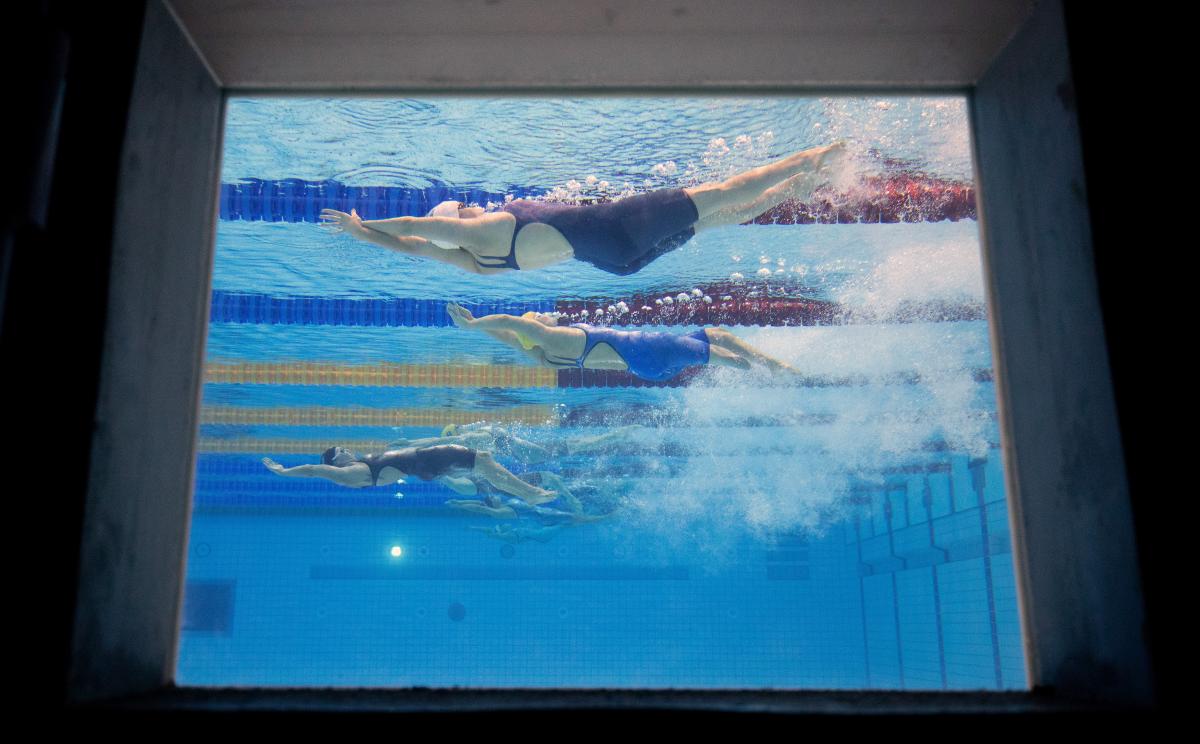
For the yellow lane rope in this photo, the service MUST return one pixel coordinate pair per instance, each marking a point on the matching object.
(381, 375)
(329, 416)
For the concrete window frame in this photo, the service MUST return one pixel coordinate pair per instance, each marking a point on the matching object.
(1080, 597)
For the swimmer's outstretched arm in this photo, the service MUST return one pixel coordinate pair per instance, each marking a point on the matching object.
(478, 507)
(352, 225)
(488, 323)
(498, 327)
(328, 472)
(499, 476)
(466, 233)
(578, 445)
(464, 486)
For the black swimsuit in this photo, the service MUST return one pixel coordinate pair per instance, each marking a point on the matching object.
(425, 463)
(619, 237)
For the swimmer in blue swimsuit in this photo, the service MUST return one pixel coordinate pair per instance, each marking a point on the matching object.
(344, 467)
(648, 355)
(619, 237)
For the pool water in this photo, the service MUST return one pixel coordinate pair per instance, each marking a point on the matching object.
(850, 531)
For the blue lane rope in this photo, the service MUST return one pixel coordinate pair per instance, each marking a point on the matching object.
(296, 200)
(241, 307)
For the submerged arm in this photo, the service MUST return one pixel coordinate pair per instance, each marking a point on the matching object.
(503, 328)
(329, 472)
(354, 226)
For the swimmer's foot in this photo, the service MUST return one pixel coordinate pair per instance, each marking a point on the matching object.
(541, 497)
(832, 159)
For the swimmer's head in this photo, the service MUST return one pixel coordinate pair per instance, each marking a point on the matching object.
(543, 318)
(550, 320)
(338, 457)
(446, 209)
(450, 430)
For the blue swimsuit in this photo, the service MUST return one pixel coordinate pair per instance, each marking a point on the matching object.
(619, 237)
(649, 355)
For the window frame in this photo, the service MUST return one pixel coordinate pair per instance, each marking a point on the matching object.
(1080, 597)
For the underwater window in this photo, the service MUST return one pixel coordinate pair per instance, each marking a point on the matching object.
(595, 392)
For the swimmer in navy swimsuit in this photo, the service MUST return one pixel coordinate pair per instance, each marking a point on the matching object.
(648, 355)
(619, 237)
(441, 462)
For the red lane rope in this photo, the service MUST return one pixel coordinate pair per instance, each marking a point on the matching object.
(727, 303)
(903, 197)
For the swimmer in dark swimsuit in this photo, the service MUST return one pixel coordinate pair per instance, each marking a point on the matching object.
(620, 237)
(340, 465)
(648, 355)
(489, 437)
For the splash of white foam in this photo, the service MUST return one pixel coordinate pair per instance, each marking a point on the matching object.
(945, 272)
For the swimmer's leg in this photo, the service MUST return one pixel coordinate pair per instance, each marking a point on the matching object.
(749, 187)
(478, 507)
(559, 486)
(496, 474)
(800, 186)
(465, 486)
(722, 357)
(720, 338)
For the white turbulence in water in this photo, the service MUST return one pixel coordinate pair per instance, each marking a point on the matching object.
(948, 271)
(768, 460)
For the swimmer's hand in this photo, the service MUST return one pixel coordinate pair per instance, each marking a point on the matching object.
(461, 316)
(350, 224)
(273, 466)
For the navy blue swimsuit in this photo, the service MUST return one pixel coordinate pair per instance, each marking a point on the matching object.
(425, 463)
(649, 355)
(619, 237)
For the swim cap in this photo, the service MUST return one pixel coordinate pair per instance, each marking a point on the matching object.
(445, 209)
(448, 430)
(526, 342)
